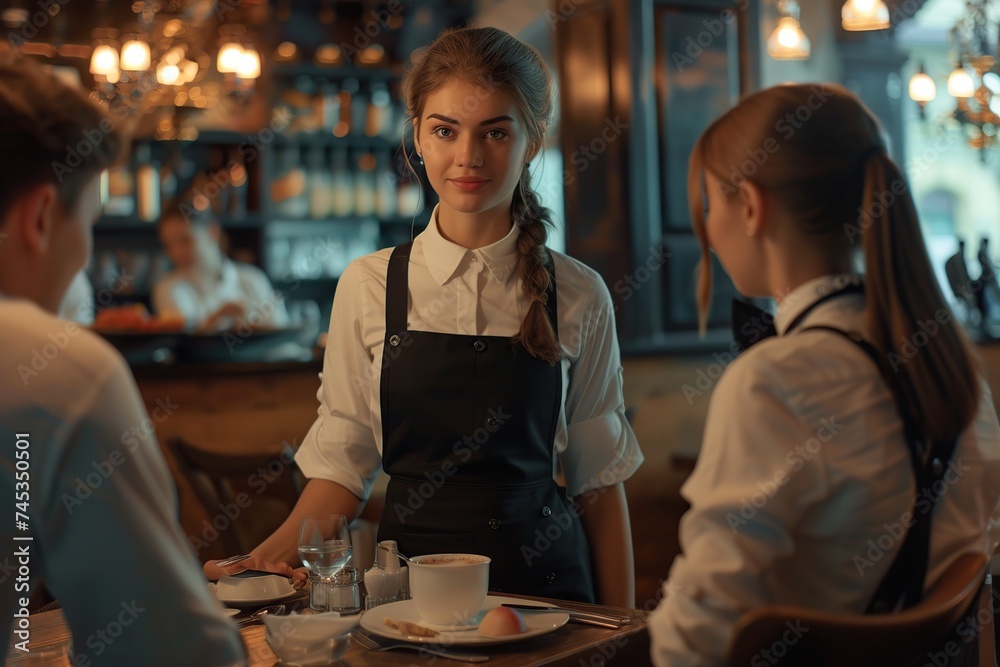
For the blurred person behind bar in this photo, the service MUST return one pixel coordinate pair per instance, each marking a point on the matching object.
(98, 498)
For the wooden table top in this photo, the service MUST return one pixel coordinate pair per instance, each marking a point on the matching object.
(573, 645)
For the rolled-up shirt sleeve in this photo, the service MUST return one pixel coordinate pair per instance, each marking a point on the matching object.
(340, 446)
(602, 450)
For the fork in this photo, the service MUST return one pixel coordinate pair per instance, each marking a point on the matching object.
(372, 645)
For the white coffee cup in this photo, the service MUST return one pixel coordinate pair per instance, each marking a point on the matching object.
(449, 589)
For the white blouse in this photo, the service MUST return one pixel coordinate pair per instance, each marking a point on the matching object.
(801, 484)
(471, 292)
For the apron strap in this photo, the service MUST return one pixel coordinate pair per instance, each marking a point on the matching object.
(396, 290)
(903, 585)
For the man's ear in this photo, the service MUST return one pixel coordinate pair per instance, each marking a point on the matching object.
(754, 203)
(35, 213)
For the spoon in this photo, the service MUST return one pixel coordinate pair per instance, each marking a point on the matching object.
(274, 610)
(408, 560)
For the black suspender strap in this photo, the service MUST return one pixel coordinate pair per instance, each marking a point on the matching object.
(903, 585)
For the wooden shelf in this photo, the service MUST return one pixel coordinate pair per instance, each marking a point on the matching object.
(116, 223)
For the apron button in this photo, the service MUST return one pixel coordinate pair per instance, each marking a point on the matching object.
(479, 345)
(550, 577)
(546, 511)
(493, 422)
(494, 524)
(938, 467)
(394, 340)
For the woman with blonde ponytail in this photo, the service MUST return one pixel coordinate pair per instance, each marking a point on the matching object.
(851, 456)
(475, 366)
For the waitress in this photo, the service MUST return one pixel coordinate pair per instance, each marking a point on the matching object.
(207, 289)
(480, 370)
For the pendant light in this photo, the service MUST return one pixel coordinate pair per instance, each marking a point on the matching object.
(788, 41)
(865, 15)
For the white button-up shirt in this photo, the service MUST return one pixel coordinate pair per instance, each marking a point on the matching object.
(801, 485)
(472, 292)
(99, 500)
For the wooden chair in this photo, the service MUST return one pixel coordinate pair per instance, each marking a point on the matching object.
(262, 487)
(922, 635)
(272, 482)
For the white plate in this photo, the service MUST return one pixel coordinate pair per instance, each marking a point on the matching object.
(537, 624)
(253, 601)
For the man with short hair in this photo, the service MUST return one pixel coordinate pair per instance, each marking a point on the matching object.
(87, 500)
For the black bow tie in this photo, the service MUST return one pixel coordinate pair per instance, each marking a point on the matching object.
(751, 324)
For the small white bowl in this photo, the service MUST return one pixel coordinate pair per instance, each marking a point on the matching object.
(309, 639)
(237, 590)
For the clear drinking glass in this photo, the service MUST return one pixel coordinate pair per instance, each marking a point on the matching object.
(325, 544)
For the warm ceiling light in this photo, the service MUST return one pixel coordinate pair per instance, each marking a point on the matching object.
(371, 55)
(230, 57)
(168, 75)
(922, 87)
(788, 41)
(249, 67)
(104, 60)
(864, 15)
(135, 56)
(960, 84)
(287, 51)
(189, 70)
(328, 54)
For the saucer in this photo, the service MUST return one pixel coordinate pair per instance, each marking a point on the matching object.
(406, 610)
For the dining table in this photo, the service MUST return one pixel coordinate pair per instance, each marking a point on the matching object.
(572, 645)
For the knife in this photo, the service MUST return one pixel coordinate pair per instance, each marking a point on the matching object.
(589, 617)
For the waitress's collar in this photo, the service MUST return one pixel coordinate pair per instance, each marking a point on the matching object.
(808, 293)
(444, 257)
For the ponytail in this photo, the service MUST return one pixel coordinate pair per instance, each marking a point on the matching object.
(536, 334)
(907, 314)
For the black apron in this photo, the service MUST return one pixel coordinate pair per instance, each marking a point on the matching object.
(468, 424)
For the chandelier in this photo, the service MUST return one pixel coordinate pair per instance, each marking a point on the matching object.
(977, 95)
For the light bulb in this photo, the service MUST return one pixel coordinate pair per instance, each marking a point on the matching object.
(168, 75)
(960, 84)
(230, 56)
(135, 56)
(104, 60)
(864, 15)
(249, 67)
(922, 87)
(788, 41)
